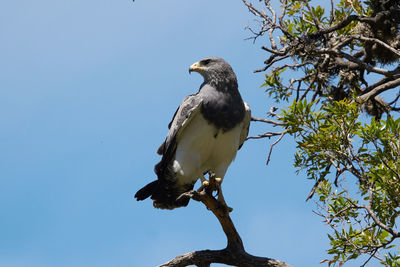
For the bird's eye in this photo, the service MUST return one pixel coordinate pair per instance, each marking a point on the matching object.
(206, 61)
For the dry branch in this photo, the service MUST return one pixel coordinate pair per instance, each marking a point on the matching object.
(234, 254)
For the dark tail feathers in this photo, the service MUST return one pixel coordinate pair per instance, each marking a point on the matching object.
(146, 191)
(164, 196)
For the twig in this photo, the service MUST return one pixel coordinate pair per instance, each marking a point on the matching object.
(273, 144)
(276, 123)
(264, 135)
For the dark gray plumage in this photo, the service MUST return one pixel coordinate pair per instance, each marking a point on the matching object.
(204, 135)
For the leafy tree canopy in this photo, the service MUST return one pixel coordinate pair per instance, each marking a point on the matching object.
(341, 107)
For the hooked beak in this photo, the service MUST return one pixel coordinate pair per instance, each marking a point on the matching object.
(195, 67)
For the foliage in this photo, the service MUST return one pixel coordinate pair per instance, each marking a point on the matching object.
(334, 146)
(341, 59)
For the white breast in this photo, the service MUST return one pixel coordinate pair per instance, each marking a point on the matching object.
(202, 147)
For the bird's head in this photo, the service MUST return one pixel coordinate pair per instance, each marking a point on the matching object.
(214, 69)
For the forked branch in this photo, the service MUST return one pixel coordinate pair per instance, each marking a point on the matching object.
(234, 254)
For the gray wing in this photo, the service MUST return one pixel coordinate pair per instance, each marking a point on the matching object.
(245, 124)
(165, 189)
(185, 112)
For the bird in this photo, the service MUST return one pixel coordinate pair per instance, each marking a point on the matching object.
(205, 133)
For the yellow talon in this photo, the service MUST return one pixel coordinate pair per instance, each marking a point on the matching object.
(218, 180)
(205, 183)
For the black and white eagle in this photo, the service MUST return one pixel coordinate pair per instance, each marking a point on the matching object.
(204, 135)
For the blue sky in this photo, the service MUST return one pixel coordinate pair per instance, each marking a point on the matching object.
(87, 89)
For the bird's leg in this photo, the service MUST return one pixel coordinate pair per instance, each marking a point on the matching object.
(212, 183)
(204, 181)
(220, 196)
(215, 184)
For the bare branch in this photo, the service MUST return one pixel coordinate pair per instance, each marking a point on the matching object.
(336, 27)
(234, 254)
(224, 256)
(379, 89)
(363, 38)
(265, 135)
(275, 123)
(273, 144)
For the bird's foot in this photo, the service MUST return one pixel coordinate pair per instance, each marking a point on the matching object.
(205, 183)
(217, 185)
(206, 190)
(211, 185)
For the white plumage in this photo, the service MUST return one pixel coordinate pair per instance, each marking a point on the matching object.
(203, 147)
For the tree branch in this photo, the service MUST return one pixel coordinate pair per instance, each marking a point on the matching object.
(379, 89)
(275, 123)
(205, 257)
(234, 254)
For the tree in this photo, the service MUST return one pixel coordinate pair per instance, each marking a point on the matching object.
(343, 61)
